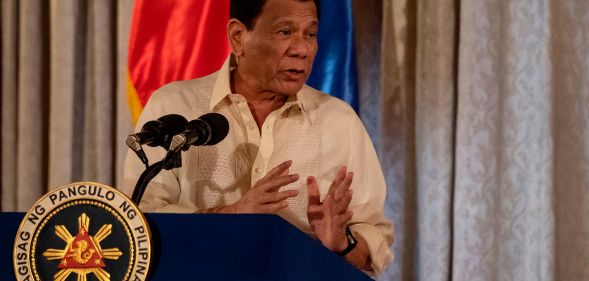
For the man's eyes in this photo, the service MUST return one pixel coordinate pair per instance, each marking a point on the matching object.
(288, 32)
(285, 32)
(312, 34)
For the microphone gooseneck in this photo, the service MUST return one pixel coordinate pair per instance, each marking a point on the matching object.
(174, 133)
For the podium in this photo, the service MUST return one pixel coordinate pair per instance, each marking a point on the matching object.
(220, 247)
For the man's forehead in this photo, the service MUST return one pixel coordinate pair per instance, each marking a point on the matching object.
(293, 20)
(290, 10)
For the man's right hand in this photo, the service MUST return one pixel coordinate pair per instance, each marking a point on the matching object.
(264, 197)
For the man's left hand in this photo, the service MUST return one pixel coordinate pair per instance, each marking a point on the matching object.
(328, 219)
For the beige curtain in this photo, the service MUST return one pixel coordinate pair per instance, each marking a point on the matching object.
(64, 112)
(485, 108)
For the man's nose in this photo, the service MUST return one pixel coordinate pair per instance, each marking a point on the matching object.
(300, 47)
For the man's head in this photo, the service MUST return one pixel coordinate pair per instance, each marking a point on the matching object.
(275, 42)
(246, 11)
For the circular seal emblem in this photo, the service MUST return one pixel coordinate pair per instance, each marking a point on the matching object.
(83, 231)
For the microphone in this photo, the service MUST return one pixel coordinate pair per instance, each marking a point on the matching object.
(209, 129)
(156, 133)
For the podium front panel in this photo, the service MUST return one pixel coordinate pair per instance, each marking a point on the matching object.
(220, 247)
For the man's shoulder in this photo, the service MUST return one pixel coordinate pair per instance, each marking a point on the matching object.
(325, 103)
(189, 98)
(188, 88)
(185, 95)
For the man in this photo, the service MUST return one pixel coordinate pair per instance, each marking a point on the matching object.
(290, 150)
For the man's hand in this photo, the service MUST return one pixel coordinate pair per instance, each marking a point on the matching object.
(264, 196)
(328, 219)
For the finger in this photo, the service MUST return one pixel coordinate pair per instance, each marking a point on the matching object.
(315, 212)
(344, 219)
(273, 208)
(285, 173)
(341, 174)
(343, 187)
(313, 191)
(315, 209)
(343, 205)
(349, 179)
(279, 196)
(276, 171)
(276, 183)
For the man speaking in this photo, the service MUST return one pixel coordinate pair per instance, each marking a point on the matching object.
(291, 150)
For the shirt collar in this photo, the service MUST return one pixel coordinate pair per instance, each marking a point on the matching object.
(222, 87)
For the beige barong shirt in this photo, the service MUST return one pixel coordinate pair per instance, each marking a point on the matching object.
(318, 132)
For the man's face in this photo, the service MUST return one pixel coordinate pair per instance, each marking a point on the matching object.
(278, 52)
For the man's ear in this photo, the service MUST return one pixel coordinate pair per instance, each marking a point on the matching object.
(236, 32)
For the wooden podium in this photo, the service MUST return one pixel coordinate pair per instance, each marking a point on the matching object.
(220, 247)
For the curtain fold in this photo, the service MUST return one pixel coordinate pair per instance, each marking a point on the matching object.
(31, 98)
(367, 26)
(436, 76)
(397, 134)
(9, 80)
(569, 57)
(124, 123)
(504, 179)
(100, 93)
(67, 76)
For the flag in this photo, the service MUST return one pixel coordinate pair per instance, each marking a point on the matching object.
(173, 40)
(186, 39)
(334, 70)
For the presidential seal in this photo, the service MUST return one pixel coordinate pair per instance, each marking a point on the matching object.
(83, 231)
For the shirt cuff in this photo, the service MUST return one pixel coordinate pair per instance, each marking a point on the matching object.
(380, 253)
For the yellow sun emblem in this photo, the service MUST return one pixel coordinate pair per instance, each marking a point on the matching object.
(83, 254)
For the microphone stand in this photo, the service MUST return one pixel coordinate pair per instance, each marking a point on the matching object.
(171, 161)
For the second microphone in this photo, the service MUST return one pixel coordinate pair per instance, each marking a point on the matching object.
(208, 129)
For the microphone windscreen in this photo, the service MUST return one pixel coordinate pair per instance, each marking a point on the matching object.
(153, 127)
(172, 125)
(219, 127)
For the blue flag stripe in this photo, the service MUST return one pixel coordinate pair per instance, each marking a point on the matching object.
(334, 70)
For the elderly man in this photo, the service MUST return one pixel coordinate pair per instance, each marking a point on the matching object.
(291, 150)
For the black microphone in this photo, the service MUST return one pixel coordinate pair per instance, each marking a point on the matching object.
(156, 133)
(209, 129)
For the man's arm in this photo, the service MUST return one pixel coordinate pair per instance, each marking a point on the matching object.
(348, 144)
(360, 256)
(329, 219)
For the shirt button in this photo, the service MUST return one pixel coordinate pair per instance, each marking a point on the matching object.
(251, 127)
(258, 170)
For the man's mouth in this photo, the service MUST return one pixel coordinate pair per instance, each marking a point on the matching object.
(295, 74)
(296, 71)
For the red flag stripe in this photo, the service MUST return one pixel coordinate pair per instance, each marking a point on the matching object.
(175, 40)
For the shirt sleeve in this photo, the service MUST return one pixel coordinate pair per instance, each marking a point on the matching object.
(367, 204)
(163, 192)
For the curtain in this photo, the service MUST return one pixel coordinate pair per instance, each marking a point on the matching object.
(485, 122)
(64, 113)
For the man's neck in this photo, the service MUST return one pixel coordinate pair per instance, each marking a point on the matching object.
(260, 103)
